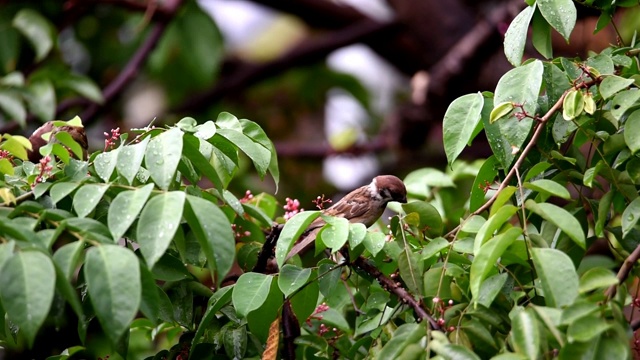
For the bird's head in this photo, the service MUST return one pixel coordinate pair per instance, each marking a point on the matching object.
(389, 188)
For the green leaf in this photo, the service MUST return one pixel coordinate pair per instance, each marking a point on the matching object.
(257, 134)
(150, 296)
(125, 208)
(16, 145)
(630, 216)
(67, 258)
(603, 212)
(170, 268)
(187, 124)
(591, 173)
(113, 284)
(88, 229)
(219, 299)
(558, 277)
(374, 242)
(577, 310)
(410, 270)
(453, 351)
(130, 159)
(304, 301)
(205, 131)
(430, 218)
(213, 231)
(587, 328)
(192, 151)
(560, 218)
(516, 36)
(486, 258)
(105, 163)
(335, 234)
(87, 197)
(632, 131)
(329, 280)
(250, 292)
(597, 278)
(162, 157)
(494, 223)
(357, 233)
(260, 156)
(589, 104)
(82, 85)
(613, 84)
(525, 333)
(60, 190)
(67, 140)
(501, 110)
(487, 173)
(546, 186)
(37, 30)
(6, 168)
(158, 223)
(406, 335)
(491, 288)
(561, 15)
(519, 86)
(292, 278)
(12, 105)
(541, 35)
(434, 247)
(27, 283)
(41, 99)
(624, 101)
(291, 231)
(572, 105)
(461, 117)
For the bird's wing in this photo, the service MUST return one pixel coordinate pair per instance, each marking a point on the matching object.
(350, 207)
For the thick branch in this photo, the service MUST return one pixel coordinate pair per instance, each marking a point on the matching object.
(267, 249)
(395, 288)
(308, 52)
(321, 151)
(624, 271)
(460, 55)
(290, 330)
(399, 48)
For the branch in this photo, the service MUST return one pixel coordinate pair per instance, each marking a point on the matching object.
(125, 76)
(133, 66)
(290, 330)
(309, 52)
(321, 151)
(395, 288)
(400, 48)
(267, 249)
(541, 122)
(461, 55)
(624, 272)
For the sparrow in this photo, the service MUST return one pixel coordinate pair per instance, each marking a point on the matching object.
(77, 133)
(363, 205)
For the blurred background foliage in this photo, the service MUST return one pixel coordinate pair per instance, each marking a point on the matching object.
(346, 89)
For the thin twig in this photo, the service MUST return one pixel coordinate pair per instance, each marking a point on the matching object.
(541, 122)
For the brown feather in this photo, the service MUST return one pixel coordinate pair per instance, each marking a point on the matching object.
(363, 205)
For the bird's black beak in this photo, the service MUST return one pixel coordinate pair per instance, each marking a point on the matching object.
(403, 200)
